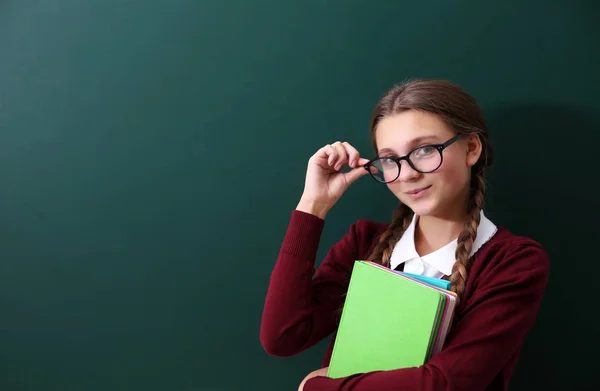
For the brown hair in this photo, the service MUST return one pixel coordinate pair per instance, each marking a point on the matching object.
(461, 113)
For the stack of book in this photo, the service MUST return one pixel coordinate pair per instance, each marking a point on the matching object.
(390, 320)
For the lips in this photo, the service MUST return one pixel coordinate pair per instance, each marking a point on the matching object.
(417, 191)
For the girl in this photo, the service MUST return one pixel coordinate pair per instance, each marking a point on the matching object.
(432, 147)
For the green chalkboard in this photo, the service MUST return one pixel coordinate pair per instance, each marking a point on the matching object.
(151, 153)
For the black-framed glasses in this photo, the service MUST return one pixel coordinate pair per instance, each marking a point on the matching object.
(423, 159)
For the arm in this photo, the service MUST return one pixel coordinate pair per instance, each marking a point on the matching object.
(494, 324)
(300, 311)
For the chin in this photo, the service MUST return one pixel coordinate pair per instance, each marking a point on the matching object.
(424, 210)
(424, 207)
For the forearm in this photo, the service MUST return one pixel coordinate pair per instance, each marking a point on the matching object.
(291, 320)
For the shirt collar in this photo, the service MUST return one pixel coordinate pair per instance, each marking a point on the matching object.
(442, 259)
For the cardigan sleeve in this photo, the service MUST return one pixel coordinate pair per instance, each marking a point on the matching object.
(300, 310)
(492, 326)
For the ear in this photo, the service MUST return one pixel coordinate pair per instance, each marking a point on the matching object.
(474, 149)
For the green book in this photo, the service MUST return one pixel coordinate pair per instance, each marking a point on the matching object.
(389, 321)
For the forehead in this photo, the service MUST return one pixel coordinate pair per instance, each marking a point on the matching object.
(401, 132)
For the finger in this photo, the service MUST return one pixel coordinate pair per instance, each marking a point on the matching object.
(353, 154)
(328, 154)
(342, 158)
(362, 162)
(355, 173)
(342, 155)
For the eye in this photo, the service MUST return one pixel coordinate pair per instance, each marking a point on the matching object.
(387, 161)
(424, 152)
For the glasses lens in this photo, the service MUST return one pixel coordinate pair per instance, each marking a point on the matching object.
(384, 170)
(426, 159)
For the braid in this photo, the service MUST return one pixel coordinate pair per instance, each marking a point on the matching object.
(383, 250)
(458, 279)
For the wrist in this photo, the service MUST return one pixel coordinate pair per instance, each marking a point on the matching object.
(314, 208)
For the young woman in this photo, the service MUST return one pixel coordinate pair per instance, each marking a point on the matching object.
(432, 147)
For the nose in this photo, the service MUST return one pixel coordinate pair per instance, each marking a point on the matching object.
(407, 173)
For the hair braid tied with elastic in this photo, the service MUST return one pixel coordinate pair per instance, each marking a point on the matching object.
(458, 278)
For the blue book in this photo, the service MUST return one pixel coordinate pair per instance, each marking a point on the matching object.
(438, 282)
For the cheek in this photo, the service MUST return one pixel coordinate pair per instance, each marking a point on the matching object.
(451, 174)
(394, 187)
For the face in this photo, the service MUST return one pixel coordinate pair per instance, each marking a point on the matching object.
(443, 191)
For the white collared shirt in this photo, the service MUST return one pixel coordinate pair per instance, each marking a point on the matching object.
(440, 262)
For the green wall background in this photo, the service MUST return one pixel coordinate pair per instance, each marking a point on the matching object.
(128, 262)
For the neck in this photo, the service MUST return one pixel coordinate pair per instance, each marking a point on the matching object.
(432, 233)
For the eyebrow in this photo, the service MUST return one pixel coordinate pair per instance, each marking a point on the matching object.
(412, 144)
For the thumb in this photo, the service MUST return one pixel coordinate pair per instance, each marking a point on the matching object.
(355, 173)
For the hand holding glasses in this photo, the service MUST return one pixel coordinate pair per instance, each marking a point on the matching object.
(325, 183)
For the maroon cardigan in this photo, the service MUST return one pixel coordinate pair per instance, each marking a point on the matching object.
(506, 283)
